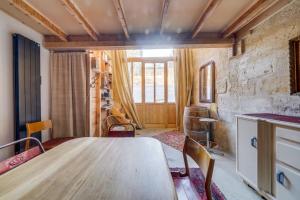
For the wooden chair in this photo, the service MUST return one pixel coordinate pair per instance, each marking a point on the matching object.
(116, 126)
(184, 186)
(21, 158)
(40, 126)
(121, 130)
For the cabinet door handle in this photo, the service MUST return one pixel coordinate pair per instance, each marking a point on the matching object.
(280, 177)
(254, 142)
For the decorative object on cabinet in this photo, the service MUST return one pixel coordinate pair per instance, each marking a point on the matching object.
(207, 83)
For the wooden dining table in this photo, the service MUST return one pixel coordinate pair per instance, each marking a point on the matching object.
(93, 168)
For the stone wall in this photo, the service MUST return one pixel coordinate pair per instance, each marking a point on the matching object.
(256, 81)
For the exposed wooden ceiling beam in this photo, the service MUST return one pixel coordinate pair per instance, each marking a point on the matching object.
(164, 14)
(39, 17)
(262, 17)
(75, 11)
(208, 10)
(121, 17)
(247, 15)
(139, 41)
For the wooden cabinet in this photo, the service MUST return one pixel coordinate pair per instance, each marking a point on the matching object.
(268, 154)
(287, 163)
(247, 150)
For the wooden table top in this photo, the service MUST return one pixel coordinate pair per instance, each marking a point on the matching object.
(93, 168)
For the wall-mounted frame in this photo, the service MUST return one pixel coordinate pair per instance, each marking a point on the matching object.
(207, 83)
(295, 65)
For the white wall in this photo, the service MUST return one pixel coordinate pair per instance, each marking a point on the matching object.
(8, 26)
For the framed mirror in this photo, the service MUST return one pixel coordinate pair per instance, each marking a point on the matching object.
(295, 66)
(207, 83)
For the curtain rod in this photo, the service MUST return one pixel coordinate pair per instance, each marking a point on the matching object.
(70, 51)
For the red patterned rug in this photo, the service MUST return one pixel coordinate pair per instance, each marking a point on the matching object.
(174, 139)
(197, 184)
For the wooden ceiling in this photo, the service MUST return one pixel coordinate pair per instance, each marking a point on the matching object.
(141, 23)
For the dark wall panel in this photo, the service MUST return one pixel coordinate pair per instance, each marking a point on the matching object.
(27, 81)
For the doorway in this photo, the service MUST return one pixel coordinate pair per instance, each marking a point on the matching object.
(153, 86)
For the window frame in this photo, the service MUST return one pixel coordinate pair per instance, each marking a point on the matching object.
(294, 45)
(154, 60)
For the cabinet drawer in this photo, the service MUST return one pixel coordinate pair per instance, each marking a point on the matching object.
(288, 153)
(288, 134)
(287, 183)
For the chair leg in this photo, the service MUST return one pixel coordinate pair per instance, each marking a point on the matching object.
(207, 140)
(186, 164)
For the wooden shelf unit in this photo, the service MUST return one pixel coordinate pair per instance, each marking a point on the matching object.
(100, 89)
(106, 85)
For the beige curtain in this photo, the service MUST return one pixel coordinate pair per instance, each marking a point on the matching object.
(184, 70)
(68, 72)
(121, 87)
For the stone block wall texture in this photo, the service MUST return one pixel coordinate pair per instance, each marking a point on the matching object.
(256, 81)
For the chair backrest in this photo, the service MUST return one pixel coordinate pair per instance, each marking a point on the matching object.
(36, 127)
(203, 159)
(21, 158)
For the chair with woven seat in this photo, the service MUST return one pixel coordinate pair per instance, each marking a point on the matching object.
(19, 159)
(185, 187)
(44, 125)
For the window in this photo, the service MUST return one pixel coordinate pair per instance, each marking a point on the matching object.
(171, 82)
(134, 53)
(149, 82)
(146, 53)
(137, 82)
(295, 65)
(152, 78)
(159, 83)
(135, 76)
